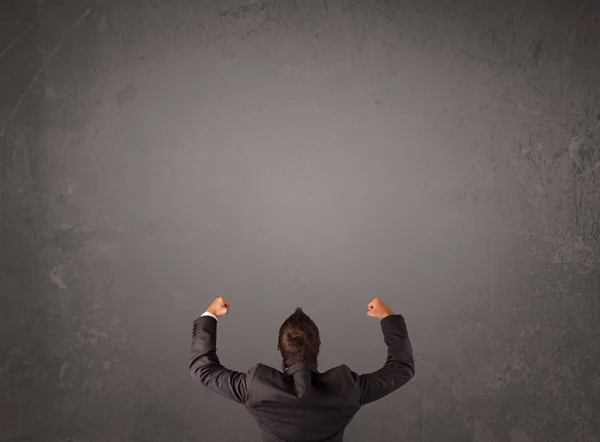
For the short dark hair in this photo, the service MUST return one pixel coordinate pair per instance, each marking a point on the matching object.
(299, 339)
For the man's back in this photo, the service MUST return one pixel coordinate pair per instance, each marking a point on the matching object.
(302, 401)
(302, 404)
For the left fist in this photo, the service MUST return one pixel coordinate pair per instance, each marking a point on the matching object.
(219, 307)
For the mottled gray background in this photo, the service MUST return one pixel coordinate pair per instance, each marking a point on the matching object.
(440, 154)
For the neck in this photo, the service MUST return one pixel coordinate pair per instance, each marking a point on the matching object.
(285, 366)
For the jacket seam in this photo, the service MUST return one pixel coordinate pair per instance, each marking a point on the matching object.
(249, 386)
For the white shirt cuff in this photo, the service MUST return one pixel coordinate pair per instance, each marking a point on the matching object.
(209, 314)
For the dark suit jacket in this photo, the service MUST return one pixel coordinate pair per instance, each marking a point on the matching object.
(302, 404)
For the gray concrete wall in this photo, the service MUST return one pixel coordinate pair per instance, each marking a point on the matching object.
(442, 155)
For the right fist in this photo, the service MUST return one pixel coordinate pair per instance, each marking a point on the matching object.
(378, 309)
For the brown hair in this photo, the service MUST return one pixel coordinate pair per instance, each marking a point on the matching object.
(299, 339)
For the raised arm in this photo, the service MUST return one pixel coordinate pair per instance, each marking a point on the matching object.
(204, 362)
(399, 367)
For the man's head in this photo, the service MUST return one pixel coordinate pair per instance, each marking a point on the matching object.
(299, 339)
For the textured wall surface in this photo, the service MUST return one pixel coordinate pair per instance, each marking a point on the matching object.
(443, 155)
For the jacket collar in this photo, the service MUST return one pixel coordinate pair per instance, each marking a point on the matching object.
(301, 366)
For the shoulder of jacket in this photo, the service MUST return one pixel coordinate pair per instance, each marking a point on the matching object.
(344, 369)
(349, 373)
(261, 368)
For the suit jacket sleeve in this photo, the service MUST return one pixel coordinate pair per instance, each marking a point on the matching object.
(399, 367)
(206, 367)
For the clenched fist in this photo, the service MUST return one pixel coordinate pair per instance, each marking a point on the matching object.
(219, 307)
(378, 309)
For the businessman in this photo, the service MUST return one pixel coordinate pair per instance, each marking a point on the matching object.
(299, 403)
